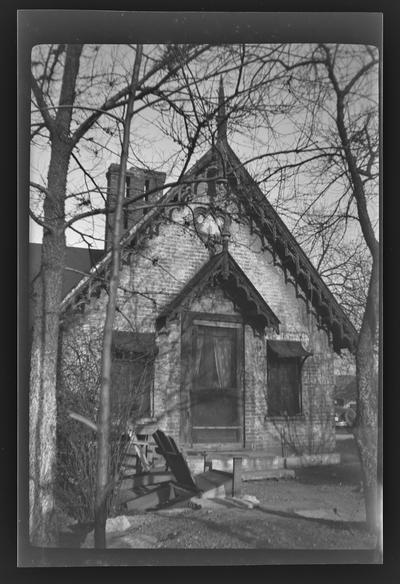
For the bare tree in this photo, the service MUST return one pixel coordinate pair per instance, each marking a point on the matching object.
(103, 426)
(320, 121)
(360, 154)
(60, 99)
(70, 96)
(48, 293)
(322, 173)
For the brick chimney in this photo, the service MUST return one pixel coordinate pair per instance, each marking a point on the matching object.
(139, 181)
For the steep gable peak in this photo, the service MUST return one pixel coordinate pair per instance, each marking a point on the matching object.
(222, 121)
(220, 169)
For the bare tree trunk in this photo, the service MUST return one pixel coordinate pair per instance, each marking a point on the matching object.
(47, 298)
(103, 435)
(366, 429)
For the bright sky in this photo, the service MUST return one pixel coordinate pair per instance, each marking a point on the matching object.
(102, 69)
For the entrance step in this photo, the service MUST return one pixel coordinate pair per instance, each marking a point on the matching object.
(259, 475)
(252, 461)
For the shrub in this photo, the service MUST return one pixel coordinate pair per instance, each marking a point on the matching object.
(76, 443)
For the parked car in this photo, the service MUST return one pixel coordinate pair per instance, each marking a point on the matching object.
(345, 413)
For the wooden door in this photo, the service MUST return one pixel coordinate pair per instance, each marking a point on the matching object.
(216, 410)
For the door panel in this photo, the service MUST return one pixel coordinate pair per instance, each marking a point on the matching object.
(215, 395)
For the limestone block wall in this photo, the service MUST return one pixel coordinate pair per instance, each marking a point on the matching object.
(167, 380)
(157, 270)
(314, 430)
(255, 383)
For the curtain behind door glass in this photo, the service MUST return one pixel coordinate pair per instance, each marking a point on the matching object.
(214, 358)
(224, 355)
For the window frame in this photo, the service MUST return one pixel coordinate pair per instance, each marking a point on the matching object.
(136, 351)
(271, 357)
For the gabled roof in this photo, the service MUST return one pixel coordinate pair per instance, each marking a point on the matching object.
(222, 270)
(288, 254)
(264, 220)
(79, 261)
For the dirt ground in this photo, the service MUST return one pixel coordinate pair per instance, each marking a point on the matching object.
(322, 508)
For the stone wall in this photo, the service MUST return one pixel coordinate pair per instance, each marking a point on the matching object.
(158, 268)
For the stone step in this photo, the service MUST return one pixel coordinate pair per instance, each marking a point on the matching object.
(260, 475)
(225, 463)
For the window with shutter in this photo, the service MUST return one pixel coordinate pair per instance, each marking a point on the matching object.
(132, 375)
(284, 361)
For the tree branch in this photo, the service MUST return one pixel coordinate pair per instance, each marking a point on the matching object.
(358, 187)
(40, 222)
(114, 101)
(48, 120)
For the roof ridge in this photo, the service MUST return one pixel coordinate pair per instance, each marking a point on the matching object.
(224, 266)
(263, 200)
(316, 282)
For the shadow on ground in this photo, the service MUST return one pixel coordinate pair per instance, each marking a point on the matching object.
(348, 472)
(332, 523)
(287, 517)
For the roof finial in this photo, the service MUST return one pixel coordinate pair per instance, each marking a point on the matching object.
(221, 114)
